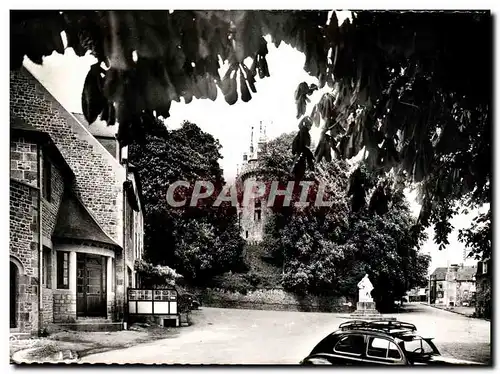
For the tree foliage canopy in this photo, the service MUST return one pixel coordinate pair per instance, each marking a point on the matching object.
(327, 250)
(412, 89)
(197, 241)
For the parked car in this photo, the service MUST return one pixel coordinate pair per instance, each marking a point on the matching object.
(190, 300)
(378, 342)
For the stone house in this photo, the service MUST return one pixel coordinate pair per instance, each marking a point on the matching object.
(76, 223)
(453, 286)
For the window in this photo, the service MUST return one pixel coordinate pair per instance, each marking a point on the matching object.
(129, 271)
(137, 280)
(246, 234)
(351, 344)
(46, 265)
(418, 346)
(47, 179)
(485, 267)
(257, 216)
(63, 270)
(258, 204)
(382, 348)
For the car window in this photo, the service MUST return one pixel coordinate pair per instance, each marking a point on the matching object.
(418, 346)
(382, 348)
(351, 344)
(393, 352)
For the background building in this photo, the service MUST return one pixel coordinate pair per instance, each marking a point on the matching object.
(453, 286)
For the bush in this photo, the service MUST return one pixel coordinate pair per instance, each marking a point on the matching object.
(156, 276)
(253, 279)
(233, 283)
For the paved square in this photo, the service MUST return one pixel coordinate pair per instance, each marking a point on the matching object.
(240, 336)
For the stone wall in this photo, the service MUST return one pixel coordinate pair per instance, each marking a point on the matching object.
(272, 299)
(51, 208)
(24, 252)
(98, 174)
(64, 306)
(48, 308)
(465, 290)
(24, 161)
(120, 287)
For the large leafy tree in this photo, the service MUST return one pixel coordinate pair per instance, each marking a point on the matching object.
(199, 241)
(412, 89)
(327, 250)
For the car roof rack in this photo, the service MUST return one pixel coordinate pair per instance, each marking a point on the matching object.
(389, 326)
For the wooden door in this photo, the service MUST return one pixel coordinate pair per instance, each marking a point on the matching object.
(90, 286)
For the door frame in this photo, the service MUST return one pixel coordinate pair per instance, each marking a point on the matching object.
(14, 295)
(81, 301)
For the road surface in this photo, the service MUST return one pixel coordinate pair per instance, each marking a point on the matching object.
(238, 336)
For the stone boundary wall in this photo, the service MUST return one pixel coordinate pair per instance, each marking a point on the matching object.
(272, 299)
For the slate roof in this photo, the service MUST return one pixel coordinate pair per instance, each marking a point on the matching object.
(74, 221)
(439, 273)
(465, 273)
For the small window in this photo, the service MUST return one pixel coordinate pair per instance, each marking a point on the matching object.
(129, 277)
(418, 345)
(246, 234)
(351, 344)
(257, 215)
(394, 352)
(47, 179)
(63, 270)
(485, 267)
(382, 348)
(258, 204)
(46, 266)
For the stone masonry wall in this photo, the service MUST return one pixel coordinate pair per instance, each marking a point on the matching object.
(272, 299)
(119, 287)
(252, 229)
(51, 208)
(464, 292)
(64, 306)
(97, 172)
(24, 248)
(24, 161)
(48, 311)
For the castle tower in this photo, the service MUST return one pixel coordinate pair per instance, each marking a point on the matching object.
(252, 217)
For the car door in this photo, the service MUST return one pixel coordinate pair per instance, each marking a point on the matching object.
(382, 351)
(348, 350)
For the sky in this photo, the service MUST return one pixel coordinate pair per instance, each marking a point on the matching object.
(274, 104)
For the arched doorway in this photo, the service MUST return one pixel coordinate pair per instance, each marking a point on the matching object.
(14, 280)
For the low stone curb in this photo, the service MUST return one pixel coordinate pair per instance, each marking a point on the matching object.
(61, 357)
